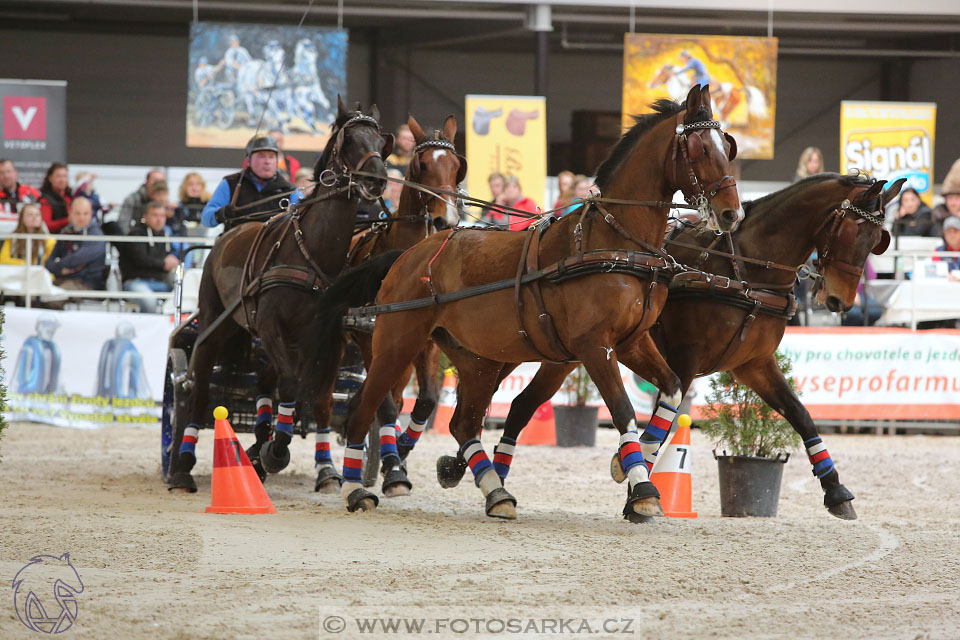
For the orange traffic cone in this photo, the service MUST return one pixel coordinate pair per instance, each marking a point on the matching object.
(671, 473)
(446, 404)
(236, 486)
(541, 429)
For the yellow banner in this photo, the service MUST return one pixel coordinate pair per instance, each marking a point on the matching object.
(508, 135)
(741, 72)
(888, 141)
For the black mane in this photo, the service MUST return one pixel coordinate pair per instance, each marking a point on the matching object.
(662, 109)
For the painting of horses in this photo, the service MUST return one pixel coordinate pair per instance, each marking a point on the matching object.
(245, 77)
(741, 72)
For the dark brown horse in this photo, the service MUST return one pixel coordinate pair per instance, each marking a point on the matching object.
(601, 292)
(275, 270)
(437, 166)
(704, 329)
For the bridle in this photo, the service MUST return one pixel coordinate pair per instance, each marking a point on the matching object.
(842, 230)
(425, 196)
(687, 134)
(338, 167)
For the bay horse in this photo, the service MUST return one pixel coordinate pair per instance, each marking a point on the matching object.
(497, 307)
(262, 279)
(437, 166)
(838, 216)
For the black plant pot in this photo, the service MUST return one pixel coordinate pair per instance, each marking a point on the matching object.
(576, 425)
(749, 486)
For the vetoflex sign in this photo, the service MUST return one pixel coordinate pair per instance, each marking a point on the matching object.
(34, 125)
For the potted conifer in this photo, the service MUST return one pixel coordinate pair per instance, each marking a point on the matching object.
(576, 422)
(756, 443)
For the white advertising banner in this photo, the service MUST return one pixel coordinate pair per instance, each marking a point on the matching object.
(84, 368)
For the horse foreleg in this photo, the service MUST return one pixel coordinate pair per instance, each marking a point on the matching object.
(763, 375)
(275, 452)
(328, 479)
(426, 364)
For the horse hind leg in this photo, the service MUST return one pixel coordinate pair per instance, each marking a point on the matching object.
(266, 387)
(275, 452)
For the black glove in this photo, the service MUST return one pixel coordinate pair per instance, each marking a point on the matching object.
(224, 213)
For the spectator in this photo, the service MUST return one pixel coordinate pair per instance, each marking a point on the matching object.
(495, 181)
(55, 198)
(132, 208)
(580, 190)
(79, 265)
(402, 150)
(950, 190)
(303, 180)
(287, 164)
(193, 197)
(391, 195)
(146, 266)
(811, 163)
(565, 180)
(512, 196)
(258, 182)
(86, 189)
(13, 194)
(911, 217)
(15, 251)
(159, 193)
(951, 237)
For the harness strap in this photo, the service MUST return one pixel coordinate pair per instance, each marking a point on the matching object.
(736, 339)
(428, 279)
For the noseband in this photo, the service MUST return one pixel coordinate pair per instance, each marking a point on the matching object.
(704, 192)
(833, 224)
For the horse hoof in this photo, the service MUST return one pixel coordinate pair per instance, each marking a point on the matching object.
(636, 518)
(644, 500)
(182, 482)
(328, 481)
(500, 504)
(362, 500)
(450, 470)
(616, 471)
(396, 483)
(647, 507)
(271, 461)
(844, 510)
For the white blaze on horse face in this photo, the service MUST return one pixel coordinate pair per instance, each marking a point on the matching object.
(438, 153)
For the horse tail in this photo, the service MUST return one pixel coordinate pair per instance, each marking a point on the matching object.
(324, 337)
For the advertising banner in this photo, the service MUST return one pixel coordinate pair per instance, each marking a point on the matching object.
(34, 130)
(888, 141)
(277, 77)
(84, 368)
(741, 72)
(508, 135)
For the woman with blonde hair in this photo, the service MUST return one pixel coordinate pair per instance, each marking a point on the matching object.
(565, 180)
(14, 251)
(193, 197)
(578, 190)
(811, 162)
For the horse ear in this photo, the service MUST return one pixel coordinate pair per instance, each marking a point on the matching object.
(883, 243)
(416, 130)
(705, 99)
(694, 146)
(462, 171)
(733, 146)
(450, 128)
(414, 168)
(692, 102)
(873, 191)
(374, 112)
(387, 148)
(893, 191)
(341, 108)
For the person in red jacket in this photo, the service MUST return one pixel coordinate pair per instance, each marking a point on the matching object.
(13, 194)
(512, 196)
(55, 198)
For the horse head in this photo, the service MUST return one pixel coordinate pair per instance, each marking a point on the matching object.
(436, 164)
(852, 231)
(700, 163)
(355, 152)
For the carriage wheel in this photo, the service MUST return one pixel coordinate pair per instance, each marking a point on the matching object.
(225, 111)
(174, 406)
(371, 457)
(201, 112)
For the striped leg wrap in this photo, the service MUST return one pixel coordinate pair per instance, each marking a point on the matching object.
(264, 411)
(503, 456)
(819, 456)
(656, 433)
(189, 442)
(412, 433)
(388, 445)
(321, 456)
(352, 469)
(285, 418)
(631, 459)
(472, 451)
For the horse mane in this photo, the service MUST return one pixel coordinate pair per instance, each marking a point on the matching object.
(328, 149)
(773, 200)
(662, 109)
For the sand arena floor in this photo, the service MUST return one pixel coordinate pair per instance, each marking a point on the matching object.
(154, 565)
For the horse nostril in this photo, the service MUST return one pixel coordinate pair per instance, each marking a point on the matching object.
(730, 215)
(834, 304)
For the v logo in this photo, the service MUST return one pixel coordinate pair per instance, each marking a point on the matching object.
(24, 118)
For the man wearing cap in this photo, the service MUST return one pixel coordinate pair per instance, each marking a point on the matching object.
(259, 181)
(950, 190)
